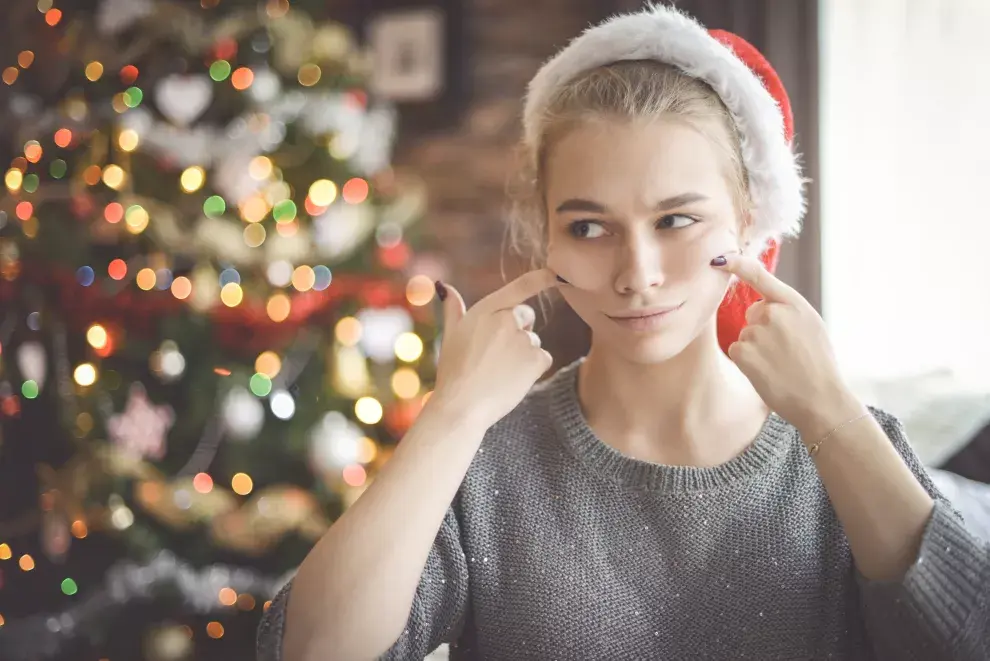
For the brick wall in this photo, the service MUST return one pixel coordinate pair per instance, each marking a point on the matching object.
(467, 166)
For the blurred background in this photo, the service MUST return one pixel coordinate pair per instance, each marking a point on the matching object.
(221, 220)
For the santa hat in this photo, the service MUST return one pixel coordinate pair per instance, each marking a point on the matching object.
(748, 86)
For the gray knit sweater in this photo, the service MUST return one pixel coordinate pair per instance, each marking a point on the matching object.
(559, 547)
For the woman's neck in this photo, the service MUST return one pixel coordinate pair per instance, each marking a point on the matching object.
(695, 409)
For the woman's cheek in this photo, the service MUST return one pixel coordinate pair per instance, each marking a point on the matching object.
(710, 245)
(583, 266)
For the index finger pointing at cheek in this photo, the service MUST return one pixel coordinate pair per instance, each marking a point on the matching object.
(519, 290)
(752, 272)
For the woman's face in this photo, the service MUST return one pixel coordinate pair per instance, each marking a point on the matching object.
(636, 212)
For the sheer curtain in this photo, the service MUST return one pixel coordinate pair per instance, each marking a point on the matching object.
(905, 180)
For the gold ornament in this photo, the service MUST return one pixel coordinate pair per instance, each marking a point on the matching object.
(113, 461)
(180, 505)
(268, 517)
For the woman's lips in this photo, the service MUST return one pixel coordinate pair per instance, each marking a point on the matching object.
(644, 320)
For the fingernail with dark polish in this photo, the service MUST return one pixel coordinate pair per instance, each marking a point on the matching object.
(441, 291)
(719, 261)
(559, 279)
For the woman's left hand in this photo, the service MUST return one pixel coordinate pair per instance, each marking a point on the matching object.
(785, 352)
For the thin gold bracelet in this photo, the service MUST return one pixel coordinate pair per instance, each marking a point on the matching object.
(813, 449)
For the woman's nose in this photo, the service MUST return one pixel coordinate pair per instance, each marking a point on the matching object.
(640, 266)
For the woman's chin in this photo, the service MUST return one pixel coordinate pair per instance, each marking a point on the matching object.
(645, 348)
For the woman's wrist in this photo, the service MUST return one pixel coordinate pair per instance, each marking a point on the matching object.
(451, 411)
(833, 411)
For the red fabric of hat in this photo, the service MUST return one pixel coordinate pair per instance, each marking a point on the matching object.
(732, 311)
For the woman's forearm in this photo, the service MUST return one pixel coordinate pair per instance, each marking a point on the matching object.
(353, 592)
(881, 505)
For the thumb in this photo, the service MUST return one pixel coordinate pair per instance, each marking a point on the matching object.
(453, 305)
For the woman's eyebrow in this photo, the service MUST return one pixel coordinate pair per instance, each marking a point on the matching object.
(680, 201)
(578, 204)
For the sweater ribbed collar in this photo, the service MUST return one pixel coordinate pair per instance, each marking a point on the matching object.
(775, 440)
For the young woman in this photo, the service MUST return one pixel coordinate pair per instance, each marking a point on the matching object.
(664, 497)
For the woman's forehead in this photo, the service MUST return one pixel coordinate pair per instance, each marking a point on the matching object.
(658, 160)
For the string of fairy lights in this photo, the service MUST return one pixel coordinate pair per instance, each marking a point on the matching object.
(268, 209)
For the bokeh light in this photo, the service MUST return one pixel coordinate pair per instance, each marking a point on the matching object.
(202, 483)
(241, 484)
(348, 331)
(214, 206)
(420, 290)
(368, 410)
(227, 596)
(181, 287)
(113, 176)
(278, 307)
(323, 192)
(242, 78)
(260, 168)
(128, 140)
(405, 383)
(231, 294)
(355, 191)
(220, 70)
(117, 269)
(309, 75)
(254, 235)
(192, 179)
(303, 278)
(96, 335)
(94, 71)
(145, 279)
(260, 384)
(136, 218)
(85, 374)
(323, 277)
(408, 347)
(63, 138)
(268, 363)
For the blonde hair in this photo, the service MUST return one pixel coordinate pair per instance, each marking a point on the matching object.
(626, 91)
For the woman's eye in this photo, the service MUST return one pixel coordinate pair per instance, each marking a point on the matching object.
(587, 229)
(676, 221)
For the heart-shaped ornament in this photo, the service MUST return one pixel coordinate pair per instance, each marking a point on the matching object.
(184, 99)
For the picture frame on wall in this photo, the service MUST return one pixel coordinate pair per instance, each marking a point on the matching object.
(420, 63)
(408, 54)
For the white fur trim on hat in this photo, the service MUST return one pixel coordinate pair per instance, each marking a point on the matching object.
(666, 35)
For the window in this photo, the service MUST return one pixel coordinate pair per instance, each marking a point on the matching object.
(905, 175)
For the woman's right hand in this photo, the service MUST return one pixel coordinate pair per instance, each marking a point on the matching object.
(490, 357)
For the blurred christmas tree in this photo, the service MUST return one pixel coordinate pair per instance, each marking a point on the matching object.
(213, 326)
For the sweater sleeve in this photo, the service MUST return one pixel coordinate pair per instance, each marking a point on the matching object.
(939, 610)
(438, 609)
(440, 606)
